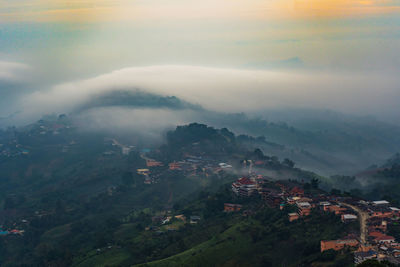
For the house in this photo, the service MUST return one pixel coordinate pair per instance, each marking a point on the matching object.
(175, 166)
(338, 244)
(225, 165)
(338, 210)
(362, 256)
(292, 200)
(153, 163)
(348, 218)
(324, 205)
(16, 232)
(395, 211)
(125, 150)
(293, 216)
(375, 234)
(181, 217)
(194, 219)
(143, 171)
(297, 192)
(304, 208)
(384, 239)
(229, 207)
(377, 224)
(244, 187)
(380, 203)
(381, 212)
(363, 202)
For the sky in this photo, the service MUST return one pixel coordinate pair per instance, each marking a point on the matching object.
(272, 53)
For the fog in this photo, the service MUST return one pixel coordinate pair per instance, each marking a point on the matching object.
(143, 124)
(224, 90)
(141, 103)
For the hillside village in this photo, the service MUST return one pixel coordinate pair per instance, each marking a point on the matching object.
(372, 242)
(293, 192)
(374, 216)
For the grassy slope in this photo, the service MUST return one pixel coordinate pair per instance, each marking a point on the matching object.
(226, 248)
(255, 243)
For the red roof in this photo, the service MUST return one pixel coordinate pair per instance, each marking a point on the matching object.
(376, 234)
(245, 180)
(297, 190)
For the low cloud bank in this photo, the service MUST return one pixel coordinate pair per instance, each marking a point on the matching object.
(231, 90)
(223, 90)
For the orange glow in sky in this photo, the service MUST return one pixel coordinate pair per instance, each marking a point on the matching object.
(118, 10)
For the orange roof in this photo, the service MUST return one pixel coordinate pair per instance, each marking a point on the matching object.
(376, 234)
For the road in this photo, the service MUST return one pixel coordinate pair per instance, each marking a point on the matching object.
(363, 217)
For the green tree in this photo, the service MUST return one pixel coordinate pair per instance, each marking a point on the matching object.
(315, 183)
(289, 163)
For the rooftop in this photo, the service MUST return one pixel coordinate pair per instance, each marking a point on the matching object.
(384, 237)
(380, 202)
(349, 216)
(245, 180)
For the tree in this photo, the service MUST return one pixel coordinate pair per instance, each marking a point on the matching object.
(259, 154)
(336, 192)
(372, 263)
(288, 163)
(315, 183)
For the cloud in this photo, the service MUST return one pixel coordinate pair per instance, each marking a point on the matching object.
(230, 90)
(12, 71)
(145, 123)
(13, 78)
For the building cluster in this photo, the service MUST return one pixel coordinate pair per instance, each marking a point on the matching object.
(289, 193)
(198, 166)
(166, 222)
(11, 232)
(191, 166)
(339, 244)
(13, 149)
(378, 244)
(149, 177)
(380, 214)
(229, 207)
(116, 146)
(50, 127)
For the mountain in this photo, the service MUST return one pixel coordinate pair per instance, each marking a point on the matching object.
(318, 140)
(73, 192)
(327, 142)
(136, 99)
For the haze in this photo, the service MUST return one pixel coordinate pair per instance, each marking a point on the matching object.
(222, 55)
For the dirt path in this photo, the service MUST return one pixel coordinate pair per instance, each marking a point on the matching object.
(363, 217)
